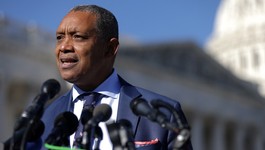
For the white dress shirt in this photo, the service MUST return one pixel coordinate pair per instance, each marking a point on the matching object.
(110, 88)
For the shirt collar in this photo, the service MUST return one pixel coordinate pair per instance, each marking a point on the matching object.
(110, 87)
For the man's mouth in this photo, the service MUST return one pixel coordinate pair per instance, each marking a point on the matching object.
(68, 60)
(67, 63)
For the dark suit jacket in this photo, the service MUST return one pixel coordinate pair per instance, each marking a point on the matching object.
(144, 129)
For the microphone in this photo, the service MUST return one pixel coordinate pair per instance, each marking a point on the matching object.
(101, 113)
(140, 107)
(65, 124)
(121, 135)
(48, 90)
(34, 112)
(92, 133)
(50, 87)
(86, 114)
(98, 136)
(35, 132)
(180, 128)
(182, 138)
(159, 103)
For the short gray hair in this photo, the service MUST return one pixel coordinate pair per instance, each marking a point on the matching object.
(107, 24)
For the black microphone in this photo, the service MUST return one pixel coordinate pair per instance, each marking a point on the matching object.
(182, 138)
(182, 129)
(50, 87)
(34, 112)
(98, 136)
(35, 132)
(101, 113)
(162, 104)
(87, 114)
(121, 135)
(65, 124)
(140, 107)
(92, 133)
(48, 90)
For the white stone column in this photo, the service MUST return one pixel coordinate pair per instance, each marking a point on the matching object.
(197, 136)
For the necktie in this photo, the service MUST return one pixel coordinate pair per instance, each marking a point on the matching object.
(91, 100)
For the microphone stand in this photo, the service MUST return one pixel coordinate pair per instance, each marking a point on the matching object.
(183, 132)
(34, 113)
(91, 138)
(25, 135)
(38, 111)
(97, 137)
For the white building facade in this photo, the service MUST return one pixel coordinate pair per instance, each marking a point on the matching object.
(238, 39)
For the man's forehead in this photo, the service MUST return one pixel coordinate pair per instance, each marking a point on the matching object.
(78, 19)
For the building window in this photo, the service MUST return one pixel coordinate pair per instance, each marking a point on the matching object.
(243, 62)
(256, 60)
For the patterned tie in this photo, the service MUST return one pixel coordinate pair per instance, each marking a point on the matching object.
(91, 100)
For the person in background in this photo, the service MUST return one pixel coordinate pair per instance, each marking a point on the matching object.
(86, 48)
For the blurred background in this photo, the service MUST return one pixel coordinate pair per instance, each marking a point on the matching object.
(209, 55)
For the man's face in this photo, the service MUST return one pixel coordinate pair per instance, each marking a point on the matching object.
(81, 55)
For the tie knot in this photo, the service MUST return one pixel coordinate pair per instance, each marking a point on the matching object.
(90, 98)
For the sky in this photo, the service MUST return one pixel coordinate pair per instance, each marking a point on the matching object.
(143, 21)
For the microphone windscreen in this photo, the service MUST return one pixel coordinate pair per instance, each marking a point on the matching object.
(67, 121)
(140, 107)
(102, 112)
(51, 87)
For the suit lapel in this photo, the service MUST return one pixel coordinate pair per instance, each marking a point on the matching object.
(127, 94)
(65, 103)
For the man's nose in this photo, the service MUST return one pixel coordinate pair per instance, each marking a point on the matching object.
(67, 46)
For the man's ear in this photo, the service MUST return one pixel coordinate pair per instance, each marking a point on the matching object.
(113, 46)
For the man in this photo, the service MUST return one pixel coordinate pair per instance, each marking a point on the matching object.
(87, 44)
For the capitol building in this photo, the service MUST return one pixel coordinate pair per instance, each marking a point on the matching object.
(238, 40)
